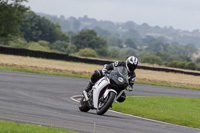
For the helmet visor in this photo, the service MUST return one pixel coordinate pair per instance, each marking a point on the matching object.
(131, 67)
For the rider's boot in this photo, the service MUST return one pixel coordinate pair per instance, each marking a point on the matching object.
(88, 88)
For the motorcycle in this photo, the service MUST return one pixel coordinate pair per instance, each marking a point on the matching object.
(105, 91)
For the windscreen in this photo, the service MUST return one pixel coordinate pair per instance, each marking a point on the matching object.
(123, 71)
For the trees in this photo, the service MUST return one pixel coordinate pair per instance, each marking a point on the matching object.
(60, 46)
(164, 58)
(131, 33)
(85, 38)
(114, 41)
(130, 43)
(11, 17)
(157, 46)
(113, 52)
(101, 32)
(198, 60)
(148, 39)
(128, 52)
(90, 39)
(63, 47)
(39, 28)
(175, 48)
(75, 26)
(151, 59)
(190, 49)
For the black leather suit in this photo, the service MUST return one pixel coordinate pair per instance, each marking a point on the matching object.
(107, 67)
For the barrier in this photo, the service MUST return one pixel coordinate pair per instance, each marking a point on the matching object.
(65, 57)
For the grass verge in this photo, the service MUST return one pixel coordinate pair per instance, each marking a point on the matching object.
(42, 72)
(85, 76)
(176, 110)
(13, 127)
(168, 85)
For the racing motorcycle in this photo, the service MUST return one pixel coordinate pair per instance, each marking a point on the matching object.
(106, 90)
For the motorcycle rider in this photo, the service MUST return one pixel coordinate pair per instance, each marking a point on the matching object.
(131, 64)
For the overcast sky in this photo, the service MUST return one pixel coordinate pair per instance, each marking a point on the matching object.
(181, 14)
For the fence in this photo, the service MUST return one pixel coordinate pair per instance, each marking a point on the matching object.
(65, 57)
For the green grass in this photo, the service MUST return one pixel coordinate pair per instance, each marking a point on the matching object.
(13, 127)
(42, 72)
(168, 85)
(177, 110)
(84, 76)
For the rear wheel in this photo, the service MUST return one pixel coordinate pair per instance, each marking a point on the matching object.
(105, 103)
(83, 105)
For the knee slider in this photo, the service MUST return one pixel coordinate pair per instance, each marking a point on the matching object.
(122, 98)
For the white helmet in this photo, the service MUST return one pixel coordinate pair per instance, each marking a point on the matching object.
(131, 63)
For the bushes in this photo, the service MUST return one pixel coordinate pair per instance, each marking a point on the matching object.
(184, 65)
(113, 52)
(177, 61)
(87, 52)
(38, 47)
(191, 66)
(172, 64)
(151, 59)
(60, 46)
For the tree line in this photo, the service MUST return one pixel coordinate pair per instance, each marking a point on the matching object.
(11, 18)
(31, 31)
(169, 34)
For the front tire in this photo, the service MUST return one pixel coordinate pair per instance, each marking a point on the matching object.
(83, 105)
(101, 109)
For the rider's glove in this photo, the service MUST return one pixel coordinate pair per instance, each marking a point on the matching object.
(129, 88)
(104, 71)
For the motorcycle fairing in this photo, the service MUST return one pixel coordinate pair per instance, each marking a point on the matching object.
(97, 88)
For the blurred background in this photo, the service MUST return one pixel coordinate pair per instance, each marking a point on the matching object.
(162, 32)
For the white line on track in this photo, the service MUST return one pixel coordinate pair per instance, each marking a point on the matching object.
(74, 98)
(79, 96)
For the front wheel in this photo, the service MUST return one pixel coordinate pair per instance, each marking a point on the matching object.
(105, 103)
(83, 105)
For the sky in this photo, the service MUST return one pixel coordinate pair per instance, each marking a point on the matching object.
(180, 14)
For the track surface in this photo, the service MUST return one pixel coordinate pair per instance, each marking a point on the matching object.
(45, 100)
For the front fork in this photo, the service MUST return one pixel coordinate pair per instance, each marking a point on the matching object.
(88, 99)
(120, 93)
(85, 95)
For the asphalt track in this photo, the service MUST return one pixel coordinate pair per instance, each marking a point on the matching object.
(46, 100)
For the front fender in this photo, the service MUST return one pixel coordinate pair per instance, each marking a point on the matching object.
(107, 92)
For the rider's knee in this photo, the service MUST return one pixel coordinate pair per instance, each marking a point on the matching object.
(96, 76)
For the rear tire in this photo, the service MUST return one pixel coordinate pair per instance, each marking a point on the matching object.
(83, 105)
(108, 103)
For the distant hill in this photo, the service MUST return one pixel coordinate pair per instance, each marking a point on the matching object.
(106, 28)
